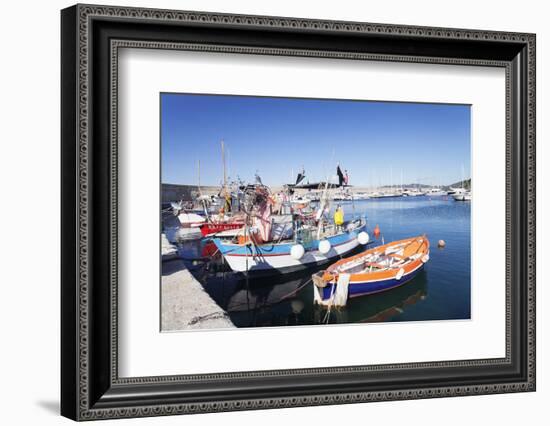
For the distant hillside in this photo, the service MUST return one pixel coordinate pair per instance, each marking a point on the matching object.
(458, 184)
(467, 184)
(407, 185)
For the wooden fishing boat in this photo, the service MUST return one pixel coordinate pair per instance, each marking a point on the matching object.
(375, 270)
(308, 249)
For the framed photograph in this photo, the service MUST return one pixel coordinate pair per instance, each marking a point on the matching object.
(263, 212)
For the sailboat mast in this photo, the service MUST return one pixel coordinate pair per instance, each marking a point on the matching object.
(322, 206)
(224, 169)
(199, 173)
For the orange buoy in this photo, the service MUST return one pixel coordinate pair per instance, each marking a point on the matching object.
(376, 231)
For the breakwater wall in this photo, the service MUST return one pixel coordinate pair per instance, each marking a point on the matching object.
(173, 192)
(176, 192)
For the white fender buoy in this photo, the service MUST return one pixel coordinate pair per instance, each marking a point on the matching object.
(324, 246)
(363, 238)
(425, 258)
(297, 251)
(400, 274)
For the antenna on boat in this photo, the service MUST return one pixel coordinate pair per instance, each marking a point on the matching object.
(353, 205)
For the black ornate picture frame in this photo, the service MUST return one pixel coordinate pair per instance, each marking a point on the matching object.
(91, 36)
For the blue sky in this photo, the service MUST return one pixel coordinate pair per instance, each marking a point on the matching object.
(377, 142)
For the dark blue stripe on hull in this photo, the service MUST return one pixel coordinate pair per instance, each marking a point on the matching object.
(363, 289)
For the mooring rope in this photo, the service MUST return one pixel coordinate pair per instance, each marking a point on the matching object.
(210, 316)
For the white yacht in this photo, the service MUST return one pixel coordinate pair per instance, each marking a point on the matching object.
(436, 192)
(453, 191)
(463, 195)
(415, 192)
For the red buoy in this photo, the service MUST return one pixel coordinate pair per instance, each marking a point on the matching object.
(376, 231)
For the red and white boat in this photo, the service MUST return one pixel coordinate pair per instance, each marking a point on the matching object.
(212, 228)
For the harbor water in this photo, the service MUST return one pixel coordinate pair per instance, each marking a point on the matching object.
(440, 292)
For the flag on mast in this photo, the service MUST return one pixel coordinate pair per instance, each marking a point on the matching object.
(300, 176)
(340, 176)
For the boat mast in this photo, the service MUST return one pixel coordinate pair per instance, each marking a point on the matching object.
(391, 180)
(224, 170)
(199, 173)
(322, 207)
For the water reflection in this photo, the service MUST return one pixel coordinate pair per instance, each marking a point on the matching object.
(381, 307)
(288, 299)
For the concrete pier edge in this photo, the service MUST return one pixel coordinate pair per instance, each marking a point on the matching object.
(185, 305)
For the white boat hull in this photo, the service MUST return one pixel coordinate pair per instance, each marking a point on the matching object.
(284, 261)
(177, 234)
(464, 196)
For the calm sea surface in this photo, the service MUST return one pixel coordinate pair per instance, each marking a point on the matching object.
(441, 291)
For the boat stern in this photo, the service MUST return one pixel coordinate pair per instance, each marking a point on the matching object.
(319, 279)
